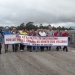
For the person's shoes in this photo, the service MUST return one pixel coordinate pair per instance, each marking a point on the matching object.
(5, 51)
(57, 49)
(41, 50)
(27, 49)
(66, 50)
(13, 50)
(63, 49)
(21, 50)
(49, 49)
(30, 50)
(60, 47)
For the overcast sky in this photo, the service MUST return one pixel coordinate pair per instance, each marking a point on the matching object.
(55, 12)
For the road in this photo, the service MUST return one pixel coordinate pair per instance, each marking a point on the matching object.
(38, 63)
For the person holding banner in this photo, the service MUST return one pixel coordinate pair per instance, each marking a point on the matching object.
(37, 48)
(29, 48)
(1, 41)
(6, 32)
(66, 34)
(34, 34)
(42, 33)
(14, 46)
(50, 34)
(23, 32)
(58, 33)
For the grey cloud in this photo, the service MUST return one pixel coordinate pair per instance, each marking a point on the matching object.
(14, 12)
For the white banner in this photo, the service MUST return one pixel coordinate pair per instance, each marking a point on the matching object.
(36, 41)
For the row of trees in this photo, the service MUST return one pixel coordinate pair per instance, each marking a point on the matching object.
(30, 25)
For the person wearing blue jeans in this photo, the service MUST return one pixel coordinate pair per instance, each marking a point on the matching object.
(36, 48)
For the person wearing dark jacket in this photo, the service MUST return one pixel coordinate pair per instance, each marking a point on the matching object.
(29, 48)
(1, 41)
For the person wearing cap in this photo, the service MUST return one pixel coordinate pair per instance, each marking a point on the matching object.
(50, 34)
(6, 32)
(66, 34)
(58, 33)
(1, 41)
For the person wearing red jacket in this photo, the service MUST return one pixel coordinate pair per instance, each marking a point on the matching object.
(58, 33)
(66, 34)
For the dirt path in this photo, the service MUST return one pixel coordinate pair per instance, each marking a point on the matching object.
(38, 63)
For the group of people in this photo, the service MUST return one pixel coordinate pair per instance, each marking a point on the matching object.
(39, 32)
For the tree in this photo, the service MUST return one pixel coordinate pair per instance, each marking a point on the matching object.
(29, 23)
(21, 26)
(63, 28)
(70, 28)
(30, 26)
(54, 28)
(41, 26)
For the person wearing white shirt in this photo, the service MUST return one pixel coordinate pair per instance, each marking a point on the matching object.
(42, 33)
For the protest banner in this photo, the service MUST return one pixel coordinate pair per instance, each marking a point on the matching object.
(36, 41)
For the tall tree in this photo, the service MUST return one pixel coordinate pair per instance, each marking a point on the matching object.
(22, 26)
(30, 26)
